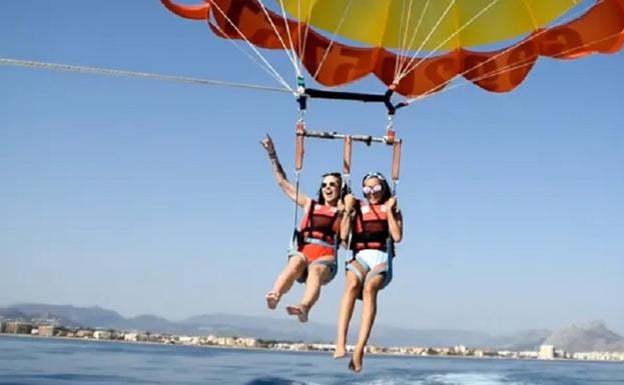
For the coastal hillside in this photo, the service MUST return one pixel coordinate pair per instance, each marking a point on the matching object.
(587, 338)
(595, 337)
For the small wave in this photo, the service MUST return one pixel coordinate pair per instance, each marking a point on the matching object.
(469, 379)
(275, 381)
(392, 381)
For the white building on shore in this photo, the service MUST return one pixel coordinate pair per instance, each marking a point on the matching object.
(546, 352)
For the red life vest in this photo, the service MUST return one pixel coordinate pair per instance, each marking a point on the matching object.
(320, 223)
(371, 230)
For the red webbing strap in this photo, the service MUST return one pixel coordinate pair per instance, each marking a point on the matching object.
(299, 150)
(396, 160)
(346, 166)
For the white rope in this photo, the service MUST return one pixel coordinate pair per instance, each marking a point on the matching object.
(513, 67)
(326, 53)
(572, 16)
(402, 35)
(287, 50)
(122, 73)
(307, 31)
(268, 69)
(411, 67)
(416, 30)
(435, 27)
(290, 40)
(275, 73)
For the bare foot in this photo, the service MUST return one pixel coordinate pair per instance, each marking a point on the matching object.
(355, 363)
(272, 299)
(301, 311)
(340, 352)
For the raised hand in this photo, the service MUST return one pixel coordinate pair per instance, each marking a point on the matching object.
(267, 143)
(349, 202)
(391, 203)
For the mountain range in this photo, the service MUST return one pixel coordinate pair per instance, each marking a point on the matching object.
(591, 337)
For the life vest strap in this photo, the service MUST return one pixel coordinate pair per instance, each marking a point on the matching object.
(315, 241)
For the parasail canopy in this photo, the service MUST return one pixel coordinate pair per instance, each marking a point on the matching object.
(418, 47)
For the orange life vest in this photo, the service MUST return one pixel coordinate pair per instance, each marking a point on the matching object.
(371, 230)
(320, 223)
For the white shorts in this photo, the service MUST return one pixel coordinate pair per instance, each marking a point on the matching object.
(370, 258)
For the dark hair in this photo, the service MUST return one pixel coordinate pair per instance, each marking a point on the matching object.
(387, 194)
(344, 188)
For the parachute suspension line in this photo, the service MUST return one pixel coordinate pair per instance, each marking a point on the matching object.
(403, 22)
(333, 38)
(287, 50)
(520, 65)
(133, 74)
(404, 31)
(293, 54)
(433, 29)
(411, 66)
(509, 68)
(405, 56)
(274, 72)
(299, 44)
(307, 31)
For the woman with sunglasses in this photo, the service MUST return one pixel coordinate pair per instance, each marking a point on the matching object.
(375, 224)
(313, 262)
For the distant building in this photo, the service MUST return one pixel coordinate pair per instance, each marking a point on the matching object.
(546, 352)
(2, 326)
(189, 340)
(47, 330)
(460, 350)
(224, 341)
(528, 354)
(18, 327)
(247, 342)
(84, 333)
(102, 335)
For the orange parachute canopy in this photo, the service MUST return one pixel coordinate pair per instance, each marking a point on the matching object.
(415, 46)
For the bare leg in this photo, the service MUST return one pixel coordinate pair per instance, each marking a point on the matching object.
(369, 311)
(312, 292)
(285, 280)
(347, 303)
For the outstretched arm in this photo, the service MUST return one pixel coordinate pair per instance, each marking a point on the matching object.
(395, 220)
(280, 176)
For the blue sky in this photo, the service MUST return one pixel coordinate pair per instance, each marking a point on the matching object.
(155, 197)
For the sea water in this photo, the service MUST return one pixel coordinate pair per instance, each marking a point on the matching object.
(50, 361)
